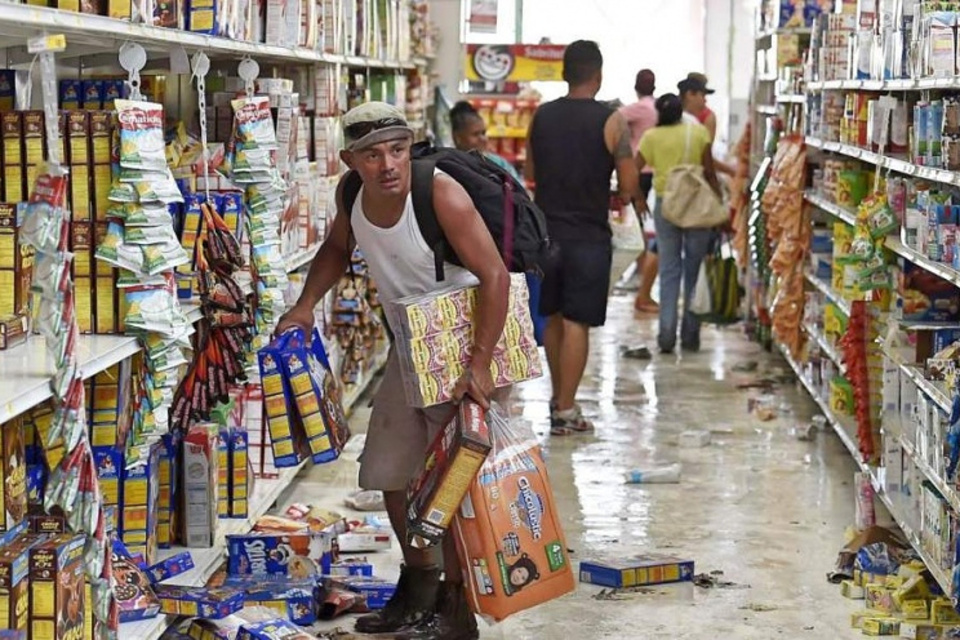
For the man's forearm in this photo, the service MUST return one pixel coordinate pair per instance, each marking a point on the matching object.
(327, 268)
(490, 316)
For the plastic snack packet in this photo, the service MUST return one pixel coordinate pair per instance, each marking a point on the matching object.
(42, 226)
(51, 277)
(254, 124)
(163, 234)
(141, 135)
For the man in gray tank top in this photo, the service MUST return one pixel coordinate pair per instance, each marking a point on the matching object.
(573, 147)
(378, 142)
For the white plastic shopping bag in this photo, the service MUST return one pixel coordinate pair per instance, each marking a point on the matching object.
(627, 232)
(700, 304)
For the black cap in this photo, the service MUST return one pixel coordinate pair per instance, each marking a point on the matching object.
(694, 82)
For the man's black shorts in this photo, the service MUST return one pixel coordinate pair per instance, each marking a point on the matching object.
(578, 288)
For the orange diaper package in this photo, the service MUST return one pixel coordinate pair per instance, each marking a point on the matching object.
(508, 531)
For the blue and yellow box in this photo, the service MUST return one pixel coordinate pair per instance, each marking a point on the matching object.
(637, 571)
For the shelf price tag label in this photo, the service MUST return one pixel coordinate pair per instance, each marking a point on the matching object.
(53, 44)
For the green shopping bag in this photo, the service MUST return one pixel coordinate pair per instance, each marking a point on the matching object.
(723, 278)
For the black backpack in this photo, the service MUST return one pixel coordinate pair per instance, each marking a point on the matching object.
(517, 225)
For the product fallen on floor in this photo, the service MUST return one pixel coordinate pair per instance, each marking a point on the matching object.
(133, 591)
(374, 592)
(170, 567)
(663, 474)
(638, 571)
(225, 628)
(365, 500)
(508, 532)
(278, 629)
(437, 337)
(296, 555)
(371, 535)
(452, 461)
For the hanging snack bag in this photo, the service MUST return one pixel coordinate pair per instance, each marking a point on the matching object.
(508, 532)
(141, 135)
(254, 124)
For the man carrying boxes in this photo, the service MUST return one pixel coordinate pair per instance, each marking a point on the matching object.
(383, 223)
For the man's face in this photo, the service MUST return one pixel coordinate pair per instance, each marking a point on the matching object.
(473, 137)
(696, 101)
(384, 167)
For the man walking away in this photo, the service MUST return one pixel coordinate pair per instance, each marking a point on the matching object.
(383, 224)
(640, 116)
(574, 145)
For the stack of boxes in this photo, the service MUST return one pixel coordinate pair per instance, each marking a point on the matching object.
(834, 34)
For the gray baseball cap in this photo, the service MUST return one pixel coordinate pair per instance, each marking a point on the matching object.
(372, 123)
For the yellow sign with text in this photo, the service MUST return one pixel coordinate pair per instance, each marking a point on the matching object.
(514, 62)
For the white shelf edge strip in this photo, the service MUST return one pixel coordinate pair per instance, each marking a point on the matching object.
(897, 84)
(937, 572)
(54, 20)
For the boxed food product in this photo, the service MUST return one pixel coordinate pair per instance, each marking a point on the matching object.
(213, 603)
(16, 264)
(240, 478)
(926, 297)
(879, 598)
(451, 462)
(223, 628)
(133, 593)
(14, 580)
(296, 601)
(637, 571)
(56, 588)
(848, 589)
(365, 539)
(170, 567)
(376, 592)
(13, 331)
(297, 555)
(200, 485)
(508, 531)
(140, 490)
(880, 627)
(278, 408)
(351, 568)
(279, 629)
(13, 475)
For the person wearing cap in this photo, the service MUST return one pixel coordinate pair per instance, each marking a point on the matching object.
(574, 145)
(383, 224)
(641, 116)
(693, 91)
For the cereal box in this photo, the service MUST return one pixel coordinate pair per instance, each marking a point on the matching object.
(296, 601)
(13, 474)
(451, 462)
(170, 567)
(56, 589)
(637, 571)
(351, 568)
(297, 555)
(140, 489)
(200, 485)
(205, 603)
(376, 592)
(277, 407)
(279, 629)
(14, 580)
(134, 595)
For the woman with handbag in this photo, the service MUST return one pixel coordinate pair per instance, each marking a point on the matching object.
(688, 209)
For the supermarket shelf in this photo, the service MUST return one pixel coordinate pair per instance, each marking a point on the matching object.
(934, 390)
(503, 131)
(206, 561)
(894, 164)
(900, 84)
(767, 109)
(301, 258)
(354, 391)
(949, 493)
(833, 209)
(829, 292)
(96, 34)
(792, 99)
(817, 336)
(890, 502)
(945, 271)
(26, 370)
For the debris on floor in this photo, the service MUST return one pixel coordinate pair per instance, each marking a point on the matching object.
(693, 439)
(713, 580)
(640, 352)
(365, 500)
(748, 366)
(668, 474)
(758, 607)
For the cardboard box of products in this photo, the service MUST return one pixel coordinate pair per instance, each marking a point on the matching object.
(452, 461)
(638, 571)
(57, 593)
(297, 555)
(200, 486)
(13, 475)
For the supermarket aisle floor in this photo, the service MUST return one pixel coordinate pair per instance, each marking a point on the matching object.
(766, 509)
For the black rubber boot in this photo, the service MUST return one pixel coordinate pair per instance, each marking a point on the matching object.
(453, 619)
(414, 600)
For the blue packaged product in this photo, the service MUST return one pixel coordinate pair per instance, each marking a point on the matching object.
(636, 571)
(277, 409)
(91, 94)
(351, 568)
(71, 94)
(8, 89)
(203, 602)
(113, 90)
(231, 206)
(935, 133)
(170, 567)
(36, 479)
(297, 555)
(133, 593)
(278, 629)
(375, 591)
(298, 602)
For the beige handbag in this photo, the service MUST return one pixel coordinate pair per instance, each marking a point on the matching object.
(688, 200)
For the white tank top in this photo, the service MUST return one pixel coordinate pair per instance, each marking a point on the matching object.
(400, 261)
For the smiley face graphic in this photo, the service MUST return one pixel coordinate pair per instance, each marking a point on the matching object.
(493, 62)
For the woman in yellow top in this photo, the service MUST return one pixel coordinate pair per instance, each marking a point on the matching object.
(671, 143)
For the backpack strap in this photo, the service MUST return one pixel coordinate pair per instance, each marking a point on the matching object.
(421, 188)
(351, 190)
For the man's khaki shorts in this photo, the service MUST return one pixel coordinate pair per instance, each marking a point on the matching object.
(398, 435)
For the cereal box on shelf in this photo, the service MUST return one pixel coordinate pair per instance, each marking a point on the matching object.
(450, 464)
(199, 519)
(13, 474)
(297, 555)
(436, 331)
(14, 579)
(56, 588)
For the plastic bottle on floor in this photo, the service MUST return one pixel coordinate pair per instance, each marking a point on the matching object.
(669, 474)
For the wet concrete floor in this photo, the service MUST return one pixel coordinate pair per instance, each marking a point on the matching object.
(763, 507)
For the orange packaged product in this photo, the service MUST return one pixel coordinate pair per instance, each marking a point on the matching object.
(508, 532)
